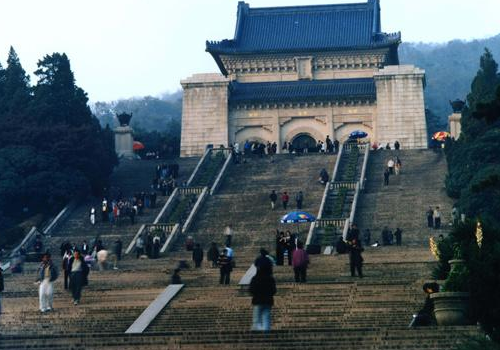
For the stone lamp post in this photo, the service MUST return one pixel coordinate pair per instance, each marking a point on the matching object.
(454, 119)
(124, 140)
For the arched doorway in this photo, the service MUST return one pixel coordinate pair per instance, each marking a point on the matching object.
(302, 141)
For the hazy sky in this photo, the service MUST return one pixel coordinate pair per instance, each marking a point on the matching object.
(125, 48)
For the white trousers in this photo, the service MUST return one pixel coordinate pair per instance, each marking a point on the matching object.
(46, 294)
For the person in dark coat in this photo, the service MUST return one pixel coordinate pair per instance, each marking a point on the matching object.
(224, 263)
(176, 278)
(430, 217)
(263, 289)
(353, 232)
(79, 272)
(263, 261)
(398, 235)
(280, 247)
(355, 258)
(387, 174)
(197, 255)
(425, 316)
(213, 254)
(273, 198)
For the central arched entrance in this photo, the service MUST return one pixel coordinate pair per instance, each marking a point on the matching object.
(302, 141)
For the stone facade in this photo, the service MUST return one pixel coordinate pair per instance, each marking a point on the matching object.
(281, 95)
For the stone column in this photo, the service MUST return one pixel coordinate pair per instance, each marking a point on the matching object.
(455, 125)
(400, 106)
(124, 142)
(204, 113)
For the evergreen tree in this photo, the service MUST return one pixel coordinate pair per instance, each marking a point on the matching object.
(15, 93)
(57, 98)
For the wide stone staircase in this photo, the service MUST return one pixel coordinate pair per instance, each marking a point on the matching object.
(331, 311)
(404, 202)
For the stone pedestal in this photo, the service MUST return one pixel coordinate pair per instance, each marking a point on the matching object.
(455, 125)
(124, 142)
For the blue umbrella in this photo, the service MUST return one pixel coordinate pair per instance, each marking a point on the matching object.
(297, 217)
(358, 134)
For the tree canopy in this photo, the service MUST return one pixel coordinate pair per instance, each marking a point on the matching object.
(52, 148)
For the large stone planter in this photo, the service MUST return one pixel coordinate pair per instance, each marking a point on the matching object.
(451, 308)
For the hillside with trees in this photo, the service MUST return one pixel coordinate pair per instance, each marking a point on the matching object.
(449, 69)
(52, 148)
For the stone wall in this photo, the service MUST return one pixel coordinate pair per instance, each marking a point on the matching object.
(400, 106)
(204, 113)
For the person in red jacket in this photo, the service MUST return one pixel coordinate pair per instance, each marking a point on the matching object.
(300, 261)
(285, 198)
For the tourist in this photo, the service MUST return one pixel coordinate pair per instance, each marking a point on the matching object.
(156, 246)
(65, 267)
(454, 215)
(224, 263)
(290, 245)
(213, 254)
(336, 145)
(229, 251)
(176, 278)
(104, 210)
(117, 253)
(46, 275)
(425, 316)
(323, 176)
(437, 218)
(300, 262)
(386, 177)
(397, 166)
(262, 289)
(85, 248)
(263, 261)
(284, 199)
(390, 166)
(367, 237)
(139, 247)
(78, 277)
(355, 258)
(388, 146)
(92, 216)
(398, 235)
(102, 258)
(386, 236)
(228, 233)
(353, 232)
(396, 145)
(273, 197)
(280, 247)
(299, 197)
(430, 217)
(329, 144)
(197, 255)
(1, 287)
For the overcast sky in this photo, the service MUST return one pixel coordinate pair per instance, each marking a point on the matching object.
(125, 48)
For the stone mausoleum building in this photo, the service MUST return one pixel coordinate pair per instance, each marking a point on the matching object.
(300, 73)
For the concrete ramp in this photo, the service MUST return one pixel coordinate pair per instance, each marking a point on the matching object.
(154, 309)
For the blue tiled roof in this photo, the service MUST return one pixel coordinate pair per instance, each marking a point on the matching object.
(302, 91)
(305, 28)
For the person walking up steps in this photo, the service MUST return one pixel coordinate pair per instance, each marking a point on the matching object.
(213, 254)
(197, 255)
(430, 217)
(437, 218)
(224, 264)
(299, 198)
(285, 198)
(300, 262)
(228, 232)
(273, 197)
(262, 289)
(355, 258)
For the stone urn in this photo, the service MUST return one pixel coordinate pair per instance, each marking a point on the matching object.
(124, 118)
(451, 308)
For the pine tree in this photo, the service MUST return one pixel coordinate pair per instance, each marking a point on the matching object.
(57, 97)
(15, 95)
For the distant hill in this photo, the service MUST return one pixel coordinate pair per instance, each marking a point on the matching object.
(449, 68)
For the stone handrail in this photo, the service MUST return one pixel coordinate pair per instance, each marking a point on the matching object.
(191, 190)
(354, 202)
(200, 162)
(29, 237)
(339, 222)
(63, 214)
(132, 243)
(222, 172)
(345, 230)
(167, 205)
(363, 169)
(194, 211)
(171, 238)
(350, 185)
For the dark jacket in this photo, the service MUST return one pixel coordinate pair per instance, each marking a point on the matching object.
(263, 288)
(53, 272)
(263, 262)
(224, 263)
(213, 254)
(197, 254)
(85, 269)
